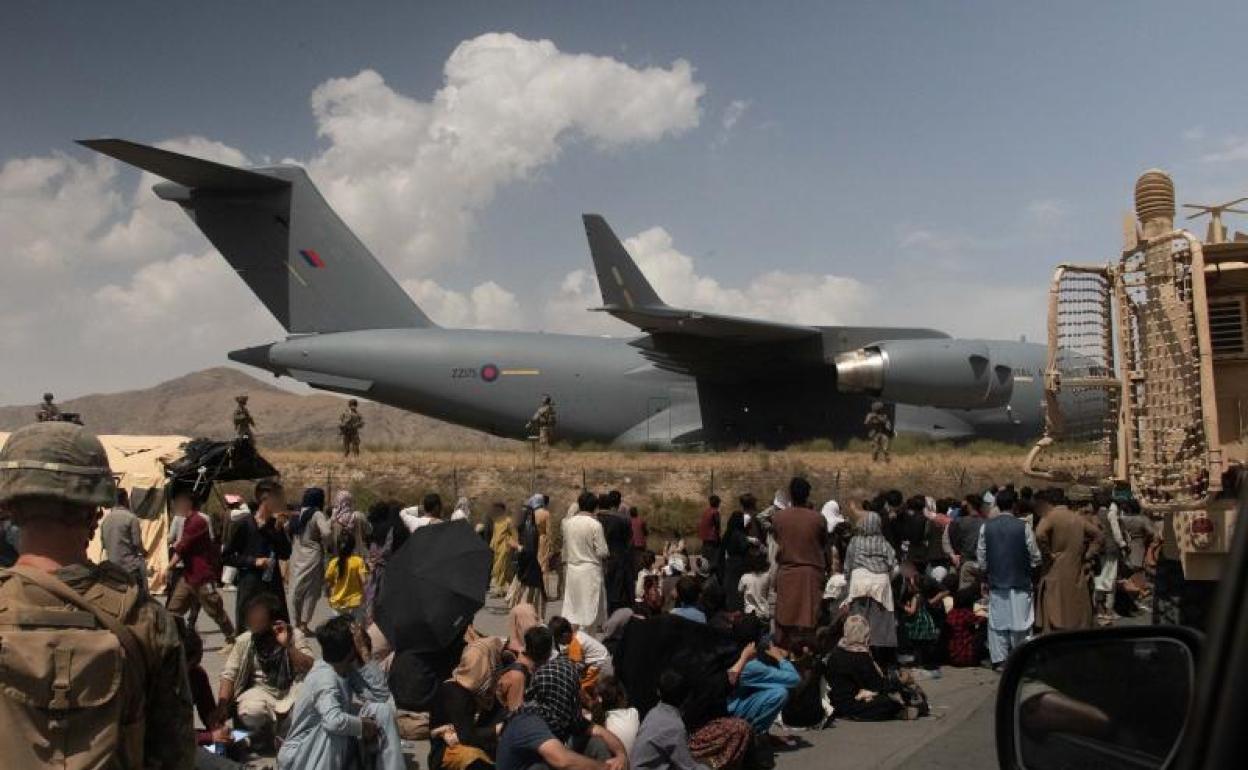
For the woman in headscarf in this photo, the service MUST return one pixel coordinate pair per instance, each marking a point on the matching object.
(541, 518)
(501, 536)
(386, 533)
(463, 510)
(527, 586)
(344, 518)
(521, 618)
(462, 734)
(513, 680)
(857, 689)
(309, 533)
(869, 563)
(735, 549)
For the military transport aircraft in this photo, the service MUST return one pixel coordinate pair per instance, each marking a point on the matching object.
(689, 378)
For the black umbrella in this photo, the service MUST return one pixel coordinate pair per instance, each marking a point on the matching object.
(433, 587)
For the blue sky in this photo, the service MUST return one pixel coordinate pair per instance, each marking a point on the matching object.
(954, 151)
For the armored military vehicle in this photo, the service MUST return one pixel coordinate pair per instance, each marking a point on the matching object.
(1147, 375)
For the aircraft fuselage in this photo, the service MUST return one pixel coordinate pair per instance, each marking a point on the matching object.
(604, 389)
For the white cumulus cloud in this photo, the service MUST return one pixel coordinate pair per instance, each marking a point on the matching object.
(95, 262)
(486, 306)
(410, 175)
(775, 295)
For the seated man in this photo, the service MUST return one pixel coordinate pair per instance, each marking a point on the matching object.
(554, 694)
(763, 688)
(260, 677)
(688, 590)
(513, 680)
(663, 741)
(326, 725)
(526, 742)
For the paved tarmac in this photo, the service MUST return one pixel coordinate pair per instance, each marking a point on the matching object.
(957, 734)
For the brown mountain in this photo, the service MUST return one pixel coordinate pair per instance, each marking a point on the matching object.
(202, 404)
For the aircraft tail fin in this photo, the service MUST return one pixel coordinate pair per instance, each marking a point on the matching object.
(621, 282)
(283, 240)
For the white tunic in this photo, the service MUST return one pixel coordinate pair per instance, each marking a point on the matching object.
(584, 548)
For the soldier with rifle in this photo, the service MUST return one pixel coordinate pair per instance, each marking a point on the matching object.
(544, 420)
(350, 423)
(244, 424)
(879, 431)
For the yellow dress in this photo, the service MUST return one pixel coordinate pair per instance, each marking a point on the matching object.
(500, 544)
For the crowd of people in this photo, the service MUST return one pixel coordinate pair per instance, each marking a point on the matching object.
(707, 652)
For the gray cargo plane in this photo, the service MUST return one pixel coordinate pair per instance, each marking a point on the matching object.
(690, 378)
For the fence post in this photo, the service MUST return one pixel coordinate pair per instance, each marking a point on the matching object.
(584, 484)
(455, 481)
(712, 489)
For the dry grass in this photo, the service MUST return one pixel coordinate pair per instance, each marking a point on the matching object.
(670, 487)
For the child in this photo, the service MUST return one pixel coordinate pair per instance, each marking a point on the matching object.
(345, 578)
(611, 710)
(964, 630)
(921, 630)
(590, 655)
(755, 585)
(649, 566)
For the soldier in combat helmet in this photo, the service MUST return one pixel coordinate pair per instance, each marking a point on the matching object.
(58, 608)
(48, 410)
(879, 431)
(544, 420)
(350, 423)
(244, 424)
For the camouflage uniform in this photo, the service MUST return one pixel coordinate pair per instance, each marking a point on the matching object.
(350, 423)
(544, 420)
(879, 431)
(243, 422)
(48, 410)
(92, 614)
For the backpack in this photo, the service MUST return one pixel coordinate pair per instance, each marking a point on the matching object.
(71, 680)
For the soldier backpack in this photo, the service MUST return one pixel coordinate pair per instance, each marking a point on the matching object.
(71, 678)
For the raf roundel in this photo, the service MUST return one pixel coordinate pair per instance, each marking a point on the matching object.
(489, 372)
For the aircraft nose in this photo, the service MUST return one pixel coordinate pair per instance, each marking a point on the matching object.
(257, 356)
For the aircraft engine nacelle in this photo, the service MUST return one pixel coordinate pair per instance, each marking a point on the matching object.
(942, 373)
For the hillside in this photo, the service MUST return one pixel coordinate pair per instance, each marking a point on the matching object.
(202, 403)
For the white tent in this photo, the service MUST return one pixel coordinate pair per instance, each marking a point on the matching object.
(138, 462)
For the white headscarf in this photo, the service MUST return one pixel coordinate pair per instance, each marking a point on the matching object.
(781, 500)
(832, 514)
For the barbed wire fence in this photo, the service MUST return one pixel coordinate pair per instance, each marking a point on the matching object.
(670, 497)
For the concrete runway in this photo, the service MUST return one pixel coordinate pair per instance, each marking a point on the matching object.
(957, 734)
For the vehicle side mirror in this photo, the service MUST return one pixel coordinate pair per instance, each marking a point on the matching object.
(1106, 699)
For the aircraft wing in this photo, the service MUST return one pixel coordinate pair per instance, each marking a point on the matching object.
(712, 345)
(695, 323)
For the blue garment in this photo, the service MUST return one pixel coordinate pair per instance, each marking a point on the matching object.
(325, 720)
(663, 742)
(690, 613)
(522, 738)
(761, 693)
